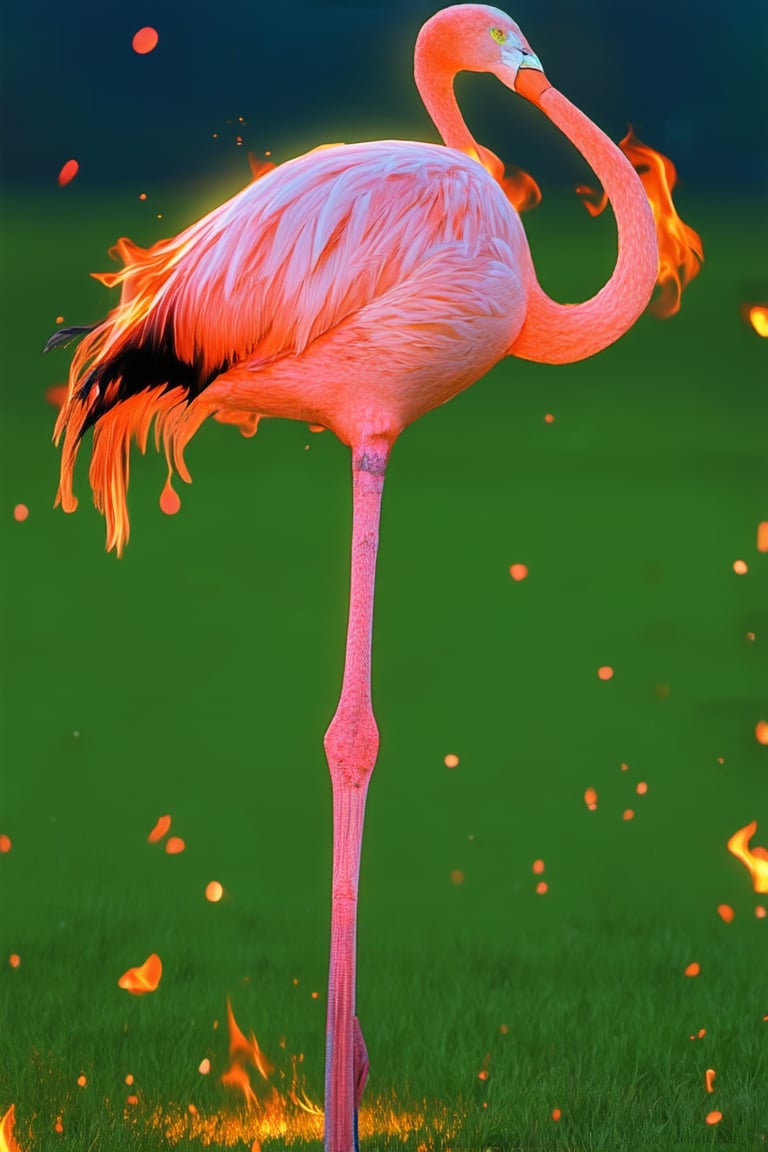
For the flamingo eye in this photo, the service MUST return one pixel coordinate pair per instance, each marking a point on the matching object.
(498, 35)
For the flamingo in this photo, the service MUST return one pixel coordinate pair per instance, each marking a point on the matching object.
(356, 287)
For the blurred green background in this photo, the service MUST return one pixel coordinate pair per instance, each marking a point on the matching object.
(196, 676)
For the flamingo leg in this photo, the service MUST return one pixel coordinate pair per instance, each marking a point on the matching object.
(351, 747)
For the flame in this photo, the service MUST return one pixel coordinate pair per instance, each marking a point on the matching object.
(758, 318)
(379, 1118)
(244, 1051)
(143, 979)
(680, 249)
(521, 190)
(756, 861)
(7, 1139)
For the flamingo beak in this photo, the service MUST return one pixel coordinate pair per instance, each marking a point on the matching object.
(522, 72)
(530, 81)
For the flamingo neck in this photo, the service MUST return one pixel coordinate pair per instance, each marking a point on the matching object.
(435, 84)
(556, 333)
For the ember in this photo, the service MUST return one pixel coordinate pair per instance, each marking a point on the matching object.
(143, 979)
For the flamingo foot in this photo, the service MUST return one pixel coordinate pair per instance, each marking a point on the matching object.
(361, 1062)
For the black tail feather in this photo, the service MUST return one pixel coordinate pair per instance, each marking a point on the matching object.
(65, 336)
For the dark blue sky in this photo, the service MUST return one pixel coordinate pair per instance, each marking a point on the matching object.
(690, 77)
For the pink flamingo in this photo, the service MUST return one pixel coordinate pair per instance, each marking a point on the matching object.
(355, 287)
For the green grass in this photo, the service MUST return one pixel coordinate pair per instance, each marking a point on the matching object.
(200, 672)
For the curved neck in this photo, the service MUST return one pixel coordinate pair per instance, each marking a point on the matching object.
(556, 333)
(435, 87)
(434, 74)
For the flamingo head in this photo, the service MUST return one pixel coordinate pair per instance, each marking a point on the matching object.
(478, 38)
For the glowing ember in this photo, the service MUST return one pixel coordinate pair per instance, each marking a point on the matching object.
(204, 1067)
(756, 861)
(213, 891)
(641, 788)
(725, 912)
(58, 1126)
(590, 799)
(129, 1079)
(143, 979)
(144, 41)
(82, 1080)
(549, 418)
(20, 512)
(159, 830)
(761, 732)
(709, 1079)
(14, 960)
(7, 1139)
(518, 571)
(680, 249)
(68, 172)
(605, 673)
(628, 814)
(693, 969)
(740, 567)
(538, 867)
(758, 318)
(174, 845)
(625, 767)
(280, 1118)
(713, 1117)
(451, 760)
(542, 888)
(762, 531)
(170, 501)
(556, 1114)
(760, 912)
(57, 395)
(5, 843)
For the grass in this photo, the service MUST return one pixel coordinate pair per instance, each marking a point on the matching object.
(197, 675)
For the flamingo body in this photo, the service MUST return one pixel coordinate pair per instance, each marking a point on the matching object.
(355, 287)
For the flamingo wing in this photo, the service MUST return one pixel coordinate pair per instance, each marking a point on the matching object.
(261, 279)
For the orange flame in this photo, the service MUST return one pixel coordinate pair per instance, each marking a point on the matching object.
(758, 318)
(756, 861)
(521, 189)
(244, 1051)
(7, 1139)
(680, 249)
(143, 979)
